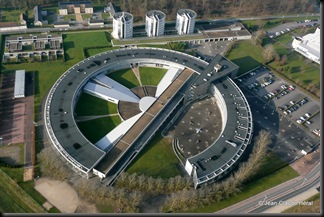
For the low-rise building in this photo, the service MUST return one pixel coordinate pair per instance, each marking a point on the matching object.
(38, 16)
(82, 7)
(98, 23)
(26, 47)
(309, 45)
(19, 91)
(23, 19)
(61, 24)
(11, 26)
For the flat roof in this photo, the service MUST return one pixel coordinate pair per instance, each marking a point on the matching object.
(155, 13)
(64, 5)
(58, 114)
(238, 130)
(189, 12)
(123, 15)
(19, 84)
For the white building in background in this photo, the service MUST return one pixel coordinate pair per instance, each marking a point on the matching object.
(185, 23)
(309, 45)
(155, 22)
(122, 25)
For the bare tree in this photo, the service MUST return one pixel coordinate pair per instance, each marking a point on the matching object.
(52, 165)
(258, 37)
(269, 52)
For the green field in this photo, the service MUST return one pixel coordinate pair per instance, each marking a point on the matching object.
(14, 199)
(156, 159)
(11, 15)
(125, 77)
(95, 129)
(69, 17)
(94, 51)
(246, 55)
(151, 75)
(297, 68)
(315, 208)
(74, 43)
(90, 105)
(86, 16)
(29, 188)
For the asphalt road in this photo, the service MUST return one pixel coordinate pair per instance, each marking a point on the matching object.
(265, 200)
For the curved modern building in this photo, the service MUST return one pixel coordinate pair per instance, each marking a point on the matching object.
(154, 24)
(187, 80)
(122, 25)
(185, 23)
(309, 45)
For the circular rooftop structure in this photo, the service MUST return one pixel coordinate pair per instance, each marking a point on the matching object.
(187, 12)
(188, 79)
(155, 14)
(123, 16)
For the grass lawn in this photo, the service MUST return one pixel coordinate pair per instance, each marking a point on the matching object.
(246, 55)
(151, 75)
(74, 43)
(105, 16)
(156, 159)
(315, 208)
(126, 77)
(106, 208)
(14, 199)
(86, 16)
(284, 174)
(102, 127)
(90, 105)
(29, 188)
(11, 15)
(94, 51)
(297, 68)
(69, 17)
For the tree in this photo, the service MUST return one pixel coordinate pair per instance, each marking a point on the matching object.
(52, 165)
(258, 37)
(269, 52)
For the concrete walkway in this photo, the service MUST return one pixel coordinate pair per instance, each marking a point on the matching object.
(137, 74)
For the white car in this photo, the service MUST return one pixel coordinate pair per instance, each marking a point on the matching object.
(302, 118)
(307, 115)
(299, 121)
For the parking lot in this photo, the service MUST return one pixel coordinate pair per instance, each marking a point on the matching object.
(287, 27)
(270, 99)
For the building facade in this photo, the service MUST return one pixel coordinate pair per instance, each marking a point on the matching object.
(309, 45)
(185, 23)
(83, 7)
(122, 25)
(155, 22)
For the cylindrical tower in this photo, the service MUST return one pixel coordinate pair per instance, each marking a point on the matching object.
(155, 21)
(185, 23)
(122, 25)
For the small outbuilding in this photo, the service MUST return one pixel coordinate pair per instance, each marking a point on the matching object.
(19, 91)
